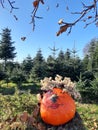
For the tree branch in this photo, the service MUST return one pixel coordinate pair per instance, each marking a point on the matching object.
(33, 16)
(82, 14)
(10, 3)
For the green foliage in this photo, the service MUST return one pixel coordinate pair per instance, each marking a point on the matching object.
(10, 88)
(89, 114)
(66, 64)
(6, 48)
(7, 88)
(88, 87)
(39, 67)
(52, 67)
(17, 76)
(17, 103)
(94, 87)
(7, 91)
(91, 56)
(32, 87)
(9, 85)
(26, 66)
(18, 112)
(2, 75)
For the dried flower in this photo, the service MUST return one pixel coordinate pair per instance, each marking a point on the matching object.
(60, 21)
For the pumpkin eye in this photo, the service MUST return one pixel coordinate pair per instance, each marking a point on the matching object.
(54, 98)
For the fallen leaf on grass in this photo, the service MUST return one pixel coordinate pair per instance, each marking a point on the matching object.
(24, 116)
(40, 126)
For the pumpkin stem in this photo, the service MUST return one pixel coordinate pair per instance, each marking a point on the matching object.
(54, 98)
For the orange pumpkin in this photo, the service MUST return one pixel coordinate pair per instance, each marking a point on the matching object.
(57, 107)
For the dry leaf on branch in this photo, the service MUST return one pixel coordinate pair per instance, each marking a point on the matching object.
(62, 29)
(35, 3)
(23, 38)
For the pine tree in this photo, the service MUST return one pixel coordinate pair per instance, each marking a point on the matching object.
(96, 57)
(6, 46)
(60, 63)
(51, 66)
(67, 56)
(27, 65)
(61, 56)
(85, 62)
(39, 66)
(92, 52)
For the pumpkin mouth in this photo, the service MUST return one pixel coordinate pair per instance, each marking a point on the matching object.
(54, 106)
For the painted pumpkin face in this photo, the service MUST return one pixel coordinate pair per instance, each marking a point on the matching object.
(57, 107)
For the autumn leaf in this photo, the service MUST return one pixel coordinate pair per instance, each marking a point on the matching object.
(39, 97)
(31, 121)
(89, 17)
(62, 29)
(23, 38)
(35, 3)
(1, 125)
(24, 117)
(15, 125)
(14, 119)
(36, 111)
(41, 126)
(95, 125)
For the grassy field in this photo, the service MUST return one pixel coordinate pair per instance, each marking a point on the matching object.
(13, 105)
(89, 114)
(19, 102)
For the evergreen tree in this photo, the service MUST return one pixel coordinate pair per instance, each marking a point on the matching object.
(85, 62)
(39, 57)
(67, 56)
(60, 63)
(73, 64)
(52, 66)
(95, 58)
(6, 46)
(39, 67)
(54, 50)
(92, 54)
(17, 75)
(27, 65)
(61, 56)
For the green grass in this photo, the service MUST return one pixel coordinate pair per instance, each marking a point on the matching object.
(12, 105)
(89, 115)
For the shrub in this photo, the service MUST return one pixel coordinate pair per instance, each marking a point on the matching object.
(8, 85)
(2, 75)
